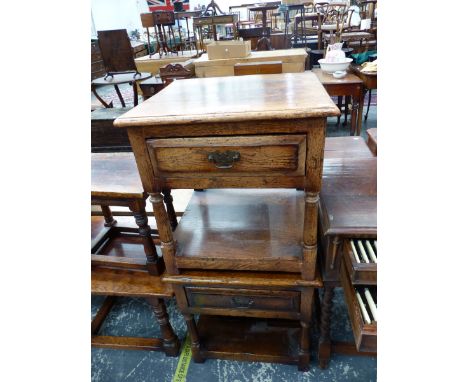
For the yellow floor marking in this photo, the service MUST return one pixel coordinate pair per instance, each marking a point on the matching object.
(184, 361)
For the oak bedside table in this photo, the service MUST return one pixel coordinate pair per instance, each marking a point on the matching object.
(250, 142)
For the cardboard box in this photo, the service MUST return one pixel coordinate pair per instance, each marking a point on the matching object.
(218, 50)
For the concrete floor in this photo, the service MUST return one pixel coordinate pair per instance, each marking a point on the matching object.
(133, 317)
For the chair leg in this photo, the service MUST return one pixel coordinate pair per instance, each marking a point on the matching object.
(368, 104)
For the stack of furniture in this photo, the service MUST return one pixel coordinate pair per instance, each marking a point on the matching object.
(244, 254)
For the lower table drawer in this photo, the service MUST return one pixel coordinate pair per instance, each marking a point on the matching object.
(362, 308)
(360, 258)
(243, 299)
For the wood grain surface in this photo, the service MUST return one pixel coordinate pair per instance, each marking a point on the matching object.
(227, 99)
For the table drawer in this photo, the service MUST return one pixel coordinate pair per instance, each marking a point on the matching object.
(229, 156)
(243, 299)
(362, 308)
(360, 258)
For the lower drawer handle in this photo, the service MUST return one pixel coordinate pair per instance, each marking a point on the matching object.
(224, 159)
(240, 302)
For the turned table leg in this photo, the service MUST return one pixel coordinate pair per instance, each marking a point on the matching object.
(171, 343)
(154, 264)
(165, 233)
(194, 338)
(170, 208)
(108, 217)
(304, 352)
(324, 341)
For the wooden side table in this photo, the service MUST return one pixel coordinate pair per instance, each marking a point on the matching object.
(260, 137)
(369, 80)
(348, 209)
(352, 86)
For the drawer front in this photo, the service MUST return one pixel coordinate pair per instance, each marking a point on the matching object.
(360, 258)
(243, 299)
(229, 156)
(364, 324)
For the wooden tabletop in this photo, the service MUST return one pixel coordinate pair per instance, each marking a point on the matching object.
(346, 147)
(348, 198)
(233, 99)
(263, 8)
(328, 79)
(115, 175)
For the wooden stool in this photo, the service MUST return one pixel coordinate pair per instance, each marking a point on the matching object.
(124, 259)
(115, 182)
(113, 282)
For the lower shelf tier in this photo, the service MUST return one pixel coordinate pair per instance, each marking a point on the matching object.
(249, 339)
(255, 230)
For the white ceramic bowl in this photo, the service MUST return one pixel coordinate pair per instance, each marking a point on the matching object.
(340, 74)
(331, 67)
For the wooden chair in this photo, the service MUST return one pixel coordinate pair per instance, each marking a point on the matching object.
(167, 74)
(266, 67)
(163, 23)
(116, 51)
(119, 62)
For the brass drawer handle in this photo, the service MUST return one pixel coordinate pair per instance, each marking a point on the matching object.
(242, 302)
(224, 159)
